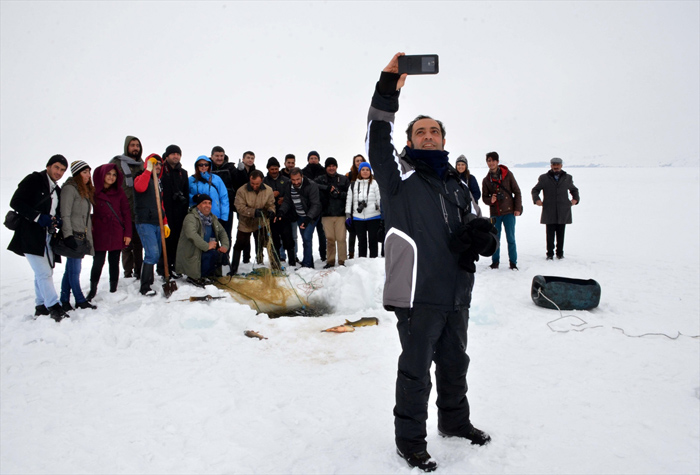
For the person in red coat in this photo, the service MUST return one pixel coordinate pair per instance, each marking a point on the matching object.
(111, 225)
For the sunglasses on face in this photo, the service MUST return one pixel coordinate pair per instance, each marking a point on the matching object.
(203, 165)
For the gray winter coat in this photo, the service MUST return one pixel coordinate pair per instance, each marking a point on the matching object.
(75, 212)
(192, 244)
(556, 205)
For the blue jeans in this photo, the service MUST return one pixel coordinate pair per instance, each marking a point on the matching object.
(508, 222)
(71, 281)
(307, 237)
(44, 290)
(150, 239)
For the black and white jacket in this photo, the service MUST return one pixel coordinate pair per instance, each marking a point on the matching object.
(421, 212)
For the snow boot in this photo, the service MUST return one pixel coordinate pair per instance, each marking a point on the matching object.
(476, 436)
(66, 306)
(513, 266)
(113, 285)
(56, 312)
(85, 305)
(93, 291)
(420, 459)
(494, 265)
(40, 310)
(147, 280)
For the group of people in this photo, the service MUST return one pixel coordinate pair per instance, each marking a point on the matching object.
(126, 207)
(433, 235)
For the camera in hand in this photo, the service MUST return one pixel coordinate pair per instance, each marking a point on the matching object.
(361, 206)
(53, 227)
(500, 196)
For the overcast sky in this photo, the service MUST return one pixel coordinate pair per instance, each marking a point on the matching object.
(615, 83)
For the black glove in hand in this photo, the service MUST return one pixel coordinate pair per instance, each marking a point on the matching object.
(461, 239)
(258, 213)
(271, 214)
(71, 242)
(44, 220)
(467, 260)
(483, 236)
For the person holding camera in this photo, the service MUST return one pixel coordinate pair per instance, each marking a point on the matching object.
(502, 193)
(176, 189)
(37, 201)
(433, 238)
(111, 225)
(77, 198)
(333, 190)
(363, 206)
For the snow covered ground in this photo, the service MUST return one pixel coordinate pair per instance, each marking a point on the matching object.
(157, 386)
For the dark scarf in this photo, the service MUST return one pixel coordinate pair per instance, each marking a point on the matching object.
(437, 160)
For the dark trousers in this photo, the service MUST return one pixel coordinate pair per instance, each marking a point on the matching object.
(352, 238)
(98, 262)
(555, 230)
(243, 244)
(282, 236)
(132, 255)
(170, 249)
(428, 334)
(367, 233)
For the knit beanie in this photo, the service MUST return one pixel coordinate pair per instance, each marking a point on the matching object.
(363, 165)
(57, 159)
(273, 162)
(78, 166)
(199, 197)
(172, 149)
(462, 159)
(313, 152)
(331, 161)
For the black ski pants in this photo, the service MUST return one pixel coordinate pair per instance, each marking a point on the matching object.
(428, 334)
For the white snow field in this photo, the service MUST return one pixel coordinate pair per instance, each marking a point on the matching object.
(153, 386)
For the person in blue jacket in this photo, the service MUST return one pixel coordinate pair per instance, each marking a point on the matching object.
(203, 181)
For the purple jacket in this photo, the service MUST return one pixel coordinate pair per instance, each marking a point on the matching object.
(108, 232)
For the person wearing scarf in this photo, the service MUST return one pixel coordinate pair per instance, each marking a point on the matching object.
(433, 238)
(203, 243)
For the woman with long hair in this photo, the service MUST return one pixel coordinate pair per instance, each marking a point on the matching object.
(462, 167)
(202, 181)
(77, 198)
(352, 175)
(363, 205)
(111, 220)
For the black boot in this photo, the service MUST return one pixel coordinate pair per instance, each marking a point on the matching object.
(234, 262)
(56, 312)
(85, 305)
(421, 459)
(41, 310)
(113, 285)
(147, 280)
(93, 291)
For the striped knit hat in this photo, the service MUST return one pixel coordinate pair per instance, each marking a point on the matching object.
(78, 166)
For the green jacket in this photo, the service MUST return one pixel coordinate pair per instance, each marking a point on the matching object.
(192, 244)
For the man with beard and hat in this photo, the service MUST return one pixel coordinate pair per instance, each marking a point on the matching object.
(131, 164)
(228, 173)
(313, 170)
(176, 190)
(432, 240)
(556, 185)
(198, 247)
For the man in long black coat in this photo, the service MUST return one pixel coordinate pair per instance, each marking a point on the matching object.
(37, 202)
(176, 191)
(556, 185)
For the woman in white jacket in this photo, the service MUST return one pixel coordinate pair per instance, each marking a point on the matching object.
(364, 207)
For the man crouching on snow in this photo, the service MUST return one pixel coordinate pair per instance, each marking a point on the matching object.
(433, 239)
(198, 256)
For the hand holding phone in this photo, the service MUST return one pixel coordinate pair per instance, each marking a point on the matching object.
(419, 64)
